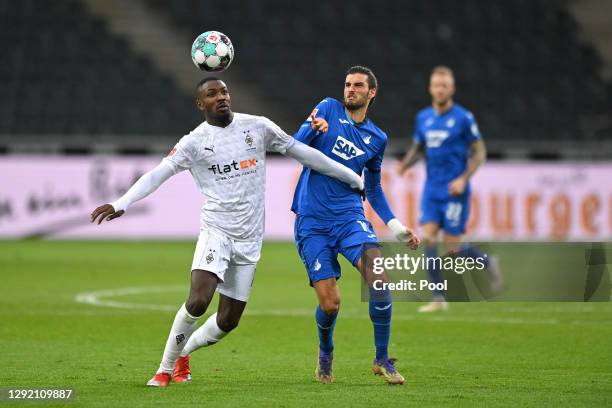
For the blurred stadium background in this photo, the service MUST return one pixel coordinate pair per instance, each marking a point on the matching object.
(104, 84)
(95, 92)
(101, 75)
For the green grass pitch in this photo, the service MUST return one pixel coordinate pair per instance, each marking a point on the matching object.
(476, 354)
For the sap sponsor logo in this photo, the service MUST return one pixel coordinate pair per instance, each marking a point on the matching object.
(435, 138)
(346, 149)
(233, 166)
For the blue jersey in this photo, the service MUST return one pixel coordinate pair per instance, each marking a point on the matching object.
(446, 138)
(358, 146)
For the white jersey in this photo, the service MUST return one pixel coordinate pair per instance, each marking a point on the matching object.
(228, 165)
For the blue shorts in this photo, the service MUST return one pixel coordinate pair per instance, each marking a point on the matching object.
(320, 241)
(450, 214)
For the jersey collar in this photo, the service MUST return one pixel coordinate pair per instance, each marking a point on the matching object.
(352, 122)
(439, 115)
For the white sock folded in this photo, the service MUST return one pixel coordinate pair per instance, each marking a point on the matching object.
(207, 335)
(182, 328)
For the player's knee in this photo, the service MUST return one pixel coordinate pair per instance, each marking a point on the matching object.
(331, 305)
(196, 305)
(227, 323)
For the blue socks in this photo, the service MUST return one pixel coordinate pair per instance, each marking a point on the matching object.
(325, 326)
(432, 268)
(468, 251)
(380, 313)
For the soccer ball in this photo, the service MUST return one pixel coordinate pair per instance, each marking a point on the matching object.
(212, 51)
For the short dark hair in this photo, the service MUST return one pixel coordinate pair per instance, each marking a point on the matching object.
(358, 69)
(372, 81)
(203, 81)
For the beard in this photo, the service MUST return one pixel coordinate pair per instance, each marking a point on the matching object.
(355, 104)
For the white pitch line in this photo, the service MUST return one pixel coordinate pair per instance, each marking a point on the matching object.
(97, 298)
(100, 298)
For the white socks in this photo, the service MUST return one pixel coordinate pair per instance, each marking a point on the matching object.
(182, 328)
(207, 335)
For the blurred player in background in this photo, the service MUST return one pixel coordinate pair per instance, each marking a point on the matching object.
(448, 136)
(226, 157)
(330, 218)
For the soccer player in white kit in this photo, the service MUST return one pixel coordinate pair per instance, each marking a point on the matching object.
(226, 157)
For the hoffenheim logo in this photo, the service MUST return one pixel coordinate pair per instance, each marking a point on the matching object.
(366, 139)
(346, 149)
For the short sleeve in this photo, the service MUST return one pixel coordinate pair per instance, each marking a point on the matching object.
(471, 133)
(305, 134)
(276, 140)
(182, 156)
(417, 134)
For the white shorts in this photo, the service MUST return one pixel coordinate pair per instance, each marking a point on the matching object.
(232, 261)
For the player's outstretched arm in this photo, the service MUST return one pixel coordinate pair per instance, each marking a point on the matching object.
(412, 157)
(145, 185)
(378, 201)
(319, 162)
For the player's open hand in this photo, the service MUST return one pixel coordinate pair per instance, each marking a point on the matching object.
(457, 186)
(411, 239)
(105, 211)
(318, 124)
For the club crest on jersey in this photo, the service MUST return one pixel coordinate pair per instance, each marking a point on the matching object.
(435, 138)
(248, 139)
(450, 123)
(346, 149)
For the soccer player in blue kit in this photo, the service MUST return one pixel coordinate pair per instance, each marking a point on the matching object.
(448, 136)
(330, 218)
